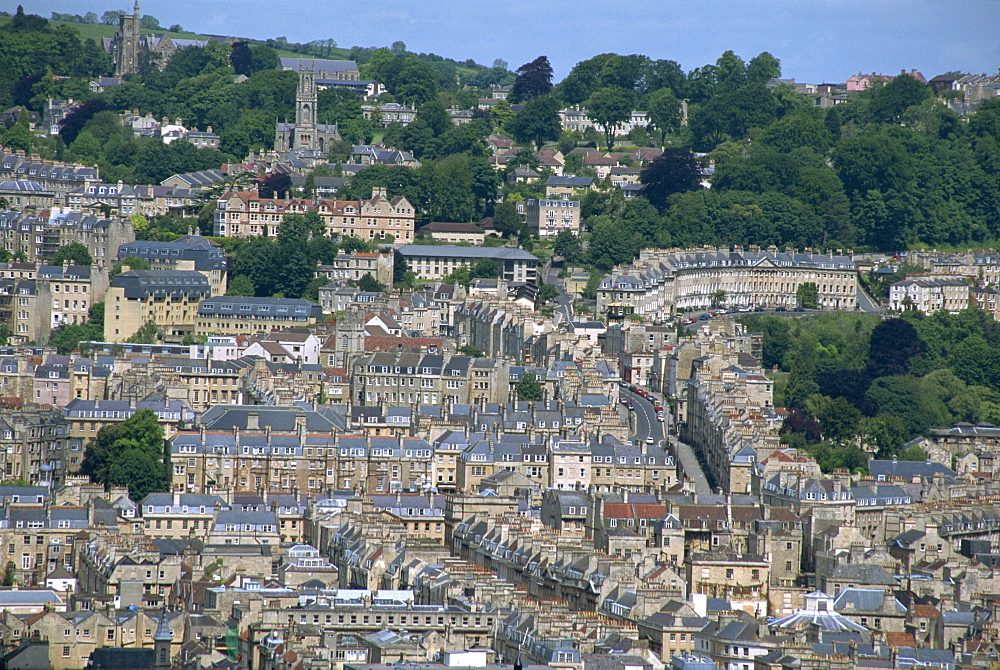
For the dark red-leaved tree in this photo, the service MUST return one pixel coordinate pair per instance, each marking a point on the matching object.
(533, 80)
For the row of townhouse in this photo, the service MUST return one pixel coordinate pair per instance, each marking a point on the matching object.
(559, 567)
(118, 200)
(429, 379)
(931, 294)
(498, 327)
(87, 417)
(363, 315)
(53, 176)
(729, 416)
(35, 375)
(34, 300)
(569, 463)
(198, 383)
(37, 446)
(377, 449)
(41, 527)
(122, 200)
(977, 267)
(38, 238)
(75, 639)
(661, 282)
(381, 218)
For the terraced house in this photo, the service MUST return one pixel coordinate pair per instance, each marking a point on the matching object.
(661, 282)
(430, 379)
(380, 217)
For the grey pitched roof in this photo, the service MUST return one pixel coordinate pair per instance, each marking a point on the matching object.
(140, 284)
(908, 469)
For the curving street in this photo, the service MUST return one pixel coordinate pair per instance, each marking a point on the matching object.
(644, 424)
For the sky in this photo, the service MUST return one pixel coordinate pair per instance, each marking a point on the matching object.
(815, 40)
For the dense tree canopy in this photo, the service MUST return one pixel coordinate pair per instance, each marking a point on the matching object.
(881, 383)
(132, 454)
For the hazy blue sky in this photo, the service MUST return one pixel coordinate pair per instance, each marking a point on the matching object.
(816, 40)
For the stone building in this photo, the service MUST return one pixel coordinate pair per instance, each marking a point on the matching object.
(192, 252)
(231, 315)
(550, 217)
(167, 298)
(662, 282)
(356, 265)
(55, 296)
(929, 295)
(411, 378)
(379, 218)
(437, 262)
(305, 133)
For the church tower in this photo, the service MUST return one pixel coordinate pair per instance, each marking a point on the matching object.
(161, 642)
(305, 111)
(127, 54)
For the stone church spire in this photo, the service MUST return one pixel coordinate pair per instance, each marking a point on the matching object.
(126, 48)
(163, 636)
(305, 110)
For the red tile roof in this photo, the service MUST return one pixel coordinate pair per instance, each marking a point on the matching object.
(900, 640)
(634, 511)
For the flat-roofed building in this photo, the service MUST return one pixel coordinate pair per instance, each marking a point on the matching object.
(437, 262)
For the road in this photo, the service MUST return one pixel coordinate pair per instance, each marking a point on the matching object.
(689, 466)
(564, 303)
(646, 425)
(866, 303)
(643, 418)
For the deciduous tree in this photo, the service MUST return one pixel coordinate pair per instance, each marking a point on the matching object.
(609, 108)
(538, 122)
(534, 79)
(675, 171)
(528, 388)
(75, 252)
(664, 111)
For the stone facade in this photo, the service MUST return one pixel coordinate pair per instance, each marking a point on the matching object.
(662, 282)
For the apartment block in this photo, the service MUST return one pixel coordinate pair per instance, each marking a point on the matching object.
(167, 298)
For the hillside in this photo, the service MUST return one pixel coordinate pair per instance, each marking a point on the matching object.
(98, 32)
